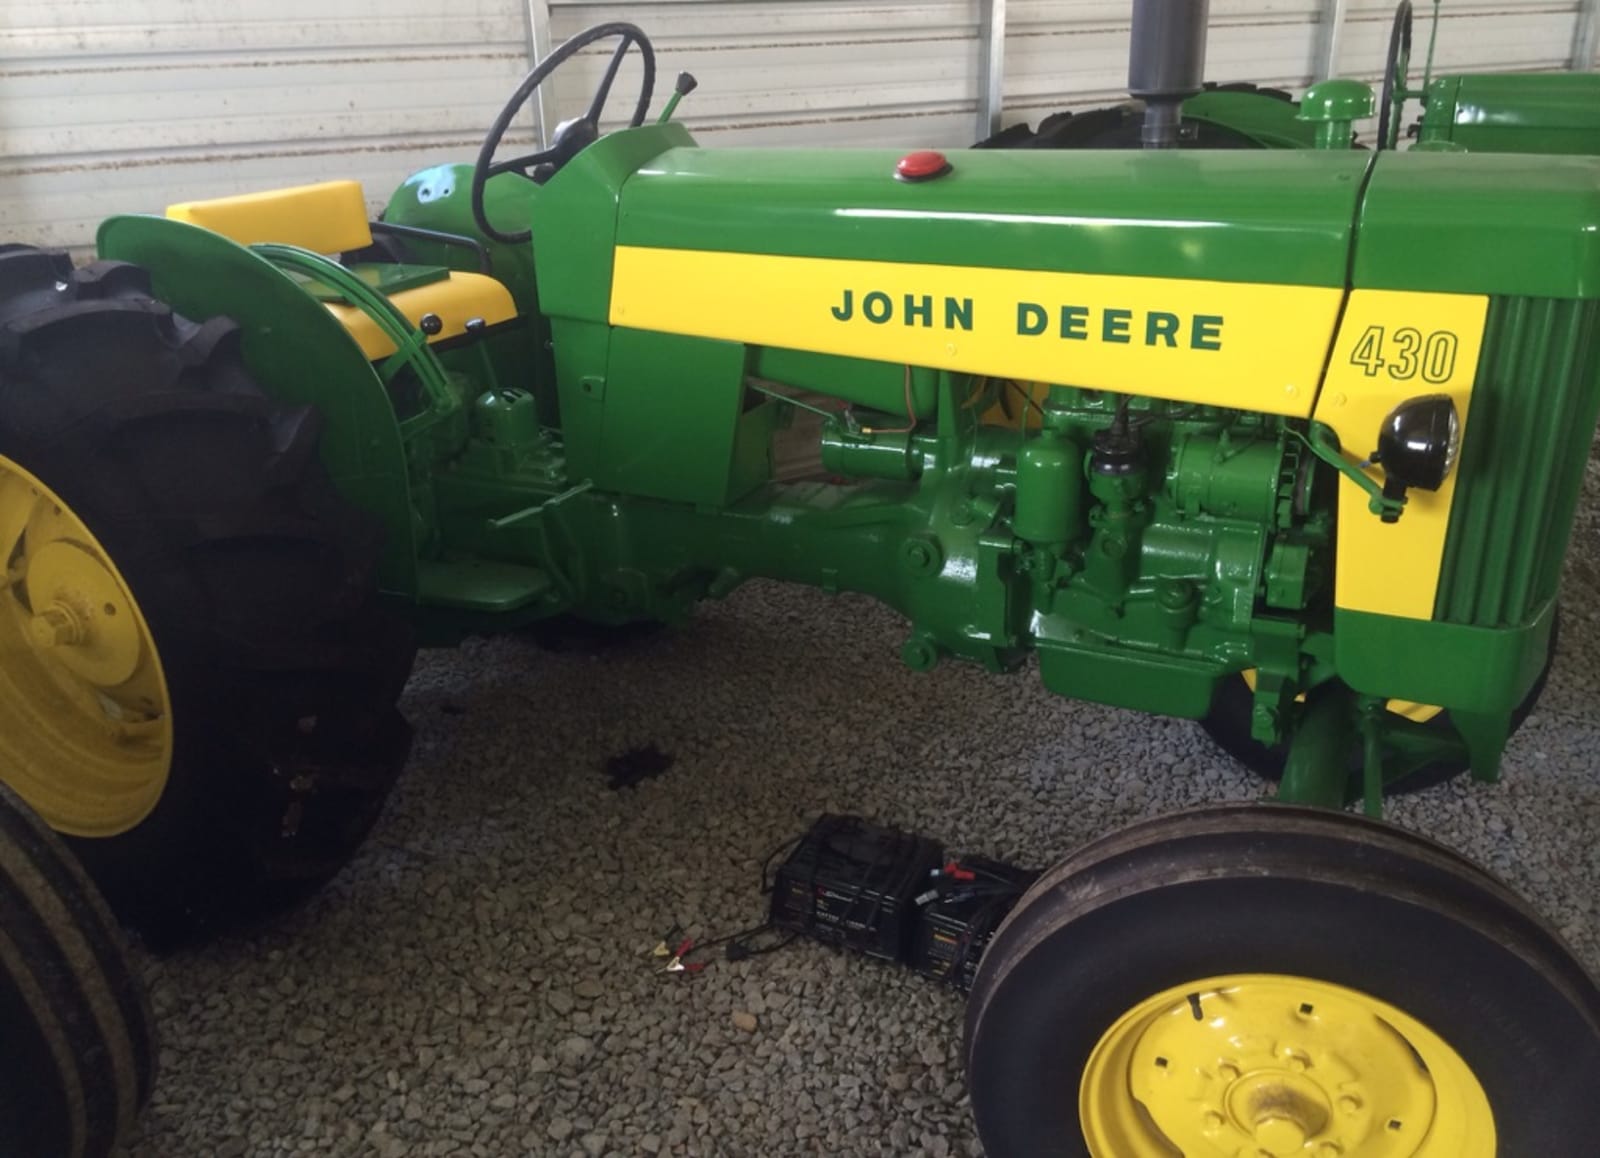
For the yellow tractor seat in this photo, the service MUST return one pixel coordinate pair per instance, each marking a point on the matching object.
(331, 218)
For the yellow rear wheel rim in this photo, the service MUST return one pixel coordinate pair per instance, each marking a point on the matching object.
(1278, 1066)
(85, 716)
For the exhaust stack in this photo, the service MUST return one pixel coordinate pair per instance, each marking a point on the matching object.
(1166, 63)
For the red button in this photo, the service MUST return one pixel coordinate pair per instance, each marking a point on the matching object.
(921, 166)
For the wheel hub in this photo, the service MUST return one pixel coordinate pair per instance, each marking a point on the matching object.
(85, 716)
(57, 626)
(1260, 1066)
(82, 618)
(1280, 1110)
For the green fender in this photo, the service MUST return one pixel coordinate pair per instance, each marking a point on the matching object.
(299, 353)
(1267, 120)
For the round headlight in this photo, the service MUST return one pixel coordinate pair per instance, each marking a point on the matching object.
(1418, 443)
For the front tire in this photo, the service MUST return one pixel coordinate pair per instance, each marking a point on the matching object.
(1269, 976)
(197, 677)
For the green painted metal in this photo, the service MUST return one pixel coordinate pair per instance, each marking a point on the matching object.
(299, 353)
(577, 217)
(322, 276)
(1321, 441)
(1050, 486)
(898, 455)
(1144, 551)
(1178, 566)
(1555, 113)
(658, 388)
(1509, 525)
(875, 385)
(439, 198)
(1333, 107)
(1269, 121)
(1349, 747)
(382, 279)
(1317, 769)
(1465, 668)
(1481, 223)
(1223, 216)
(1514, 113)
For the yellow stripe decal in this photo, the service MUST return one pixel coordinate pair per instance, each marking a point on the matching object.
(1244, 345)
(1395, 345)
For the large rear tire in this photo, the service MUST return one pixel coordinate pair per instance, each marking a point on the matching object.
(1268, 979)
(197, 676)
(77, 1048)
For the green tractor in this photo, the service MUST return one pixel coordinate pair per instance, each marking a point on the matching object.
(1479, 112)
(1305, 471)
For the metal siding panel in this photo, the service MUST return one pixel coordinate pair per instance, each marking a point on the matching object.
(821, 72)
(116, 106)
(125, 105)
(1498, 36)
(1075, 55)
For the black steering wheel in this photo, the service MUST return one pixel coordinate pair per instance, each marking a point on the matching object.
(571, 137)
(1396, 74)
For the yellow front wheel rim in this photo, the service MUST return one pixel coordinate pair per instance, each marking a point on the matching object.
(1270, 1066)
(85, 716)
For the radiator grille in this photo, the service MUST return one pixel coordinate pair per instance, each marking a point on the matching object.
(1521, 470)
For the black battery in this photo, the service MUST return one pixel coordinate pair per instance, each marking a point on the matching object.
(958, 914)
(853, 883)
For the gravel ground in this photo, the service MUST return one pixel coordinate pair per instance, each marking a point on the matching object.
(477, 982)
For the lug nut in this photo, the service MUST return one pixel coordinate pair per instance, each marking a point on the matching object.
(55, 626)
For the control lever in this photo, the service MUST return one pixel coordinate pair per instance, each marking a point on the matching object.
(682, 87)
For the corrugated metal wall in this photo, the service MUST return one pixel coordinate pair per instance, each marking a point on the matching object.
(125, 105)
(1076, 55)
(1489, 35)
(806, 72)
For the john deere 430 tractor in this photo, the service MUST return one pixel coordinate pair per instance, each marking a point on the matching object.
(1305, 471)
